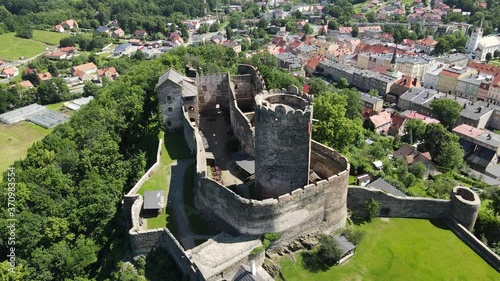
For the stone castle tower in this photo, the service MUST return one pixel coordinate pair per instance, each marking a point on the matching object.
(474, 39)
(282, 143)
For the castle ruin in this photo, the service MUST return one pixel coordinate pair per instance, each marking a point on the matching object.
(280, 180)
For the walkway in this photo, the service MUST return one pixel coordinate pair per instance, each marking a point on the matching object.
(176, 202)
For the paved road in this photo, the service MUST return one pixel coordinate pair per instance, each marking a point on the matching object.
(176, 202)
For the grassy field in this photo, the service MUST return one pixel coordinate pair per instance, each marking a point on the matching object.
(48, 37)
(174, 148)
(13, 47)
(16, 139)
(402, 249)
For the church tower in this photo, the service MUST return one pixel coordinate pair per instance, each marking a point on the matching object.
(474, 38)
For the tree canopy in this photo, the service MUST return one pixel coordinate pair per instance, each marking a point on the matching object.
(447, 111)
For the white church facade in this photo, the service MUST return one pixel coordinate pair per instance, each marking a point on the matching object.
(479, 46)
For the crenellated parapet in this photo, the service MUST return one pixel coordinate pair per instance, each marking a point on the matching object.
(282, 142)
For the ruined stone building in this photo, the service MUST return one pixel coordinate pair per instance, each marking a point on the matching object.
(275, 179)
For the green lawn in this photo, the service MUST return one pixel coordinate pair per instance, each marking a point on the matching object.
(15, 140)
(174, 148)
(13, 47)
(402, 249)
(48, 37)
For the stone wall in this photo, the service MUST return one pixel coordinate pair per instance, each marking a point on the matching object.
(475, 244)
(171, 105)
(400, 207)
(245, 69)
(149, 172)
(245, 90)
(282, 143)
(242, 128)
(465, 205)
(189, 133)
(303, 210)
(213, 89)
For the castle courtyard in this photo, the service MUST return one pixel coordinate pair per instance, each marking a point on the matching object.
(400, 249)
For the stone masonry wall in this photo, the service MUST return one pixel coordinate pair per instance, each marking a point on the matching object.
(171, 105)
(282, 143)
(241, 126)
(213, 89)
(301, 211)
(475, 244)
(402, 207)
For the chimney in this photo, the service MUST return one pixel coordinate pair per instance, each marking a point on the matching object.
(488, 137)
(415, 81)
(465, 105)
(488, 105)
(253, 269)
(427, 95)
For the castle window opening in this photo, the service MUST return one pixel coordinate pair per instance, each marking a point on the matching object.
(191, 108)
(384, 212)
(204, 88)
(169, 123)
(169, 98)
(170, 109)
(236, 86)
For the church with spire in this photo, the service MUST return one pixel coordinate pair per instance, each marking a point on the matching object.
(479, 46)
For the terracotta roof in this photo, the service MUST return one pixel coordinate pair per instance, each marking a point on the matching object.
(427, 42)
(397, 121)
(448, 73)
(11, 70)
(26, 84)
(295, 44)
(345, 29)
(313, 63)
(85, 67)
(416, 115)
(45, 76)
(110, 70)
(381, 119)
(55, 54)
(67, 49)
(467, 130)
(484, 68)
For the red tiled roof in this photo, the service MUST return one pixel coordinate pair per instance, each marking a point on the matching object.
(110, 70)
(381, 119)
(448, 73)
(427, 42)
(313, 63)
(26, 84)
(484, 68)
(45, 76)
(426, 119)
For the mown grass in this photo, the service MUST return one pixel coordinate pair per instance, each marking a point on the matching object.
(15, 140)
(402, 249)
(174, 147)
(48, 37)
(14, 47)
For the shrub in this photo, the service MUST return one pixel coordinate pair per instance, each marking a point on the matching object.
(273, 236)
(329, 251)
(354, 235)
(372, 209)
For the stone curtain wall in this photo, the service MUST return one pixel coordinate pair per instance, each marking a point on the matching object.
(402, 207)
(242, 128)
(301, 211)
(149, 172)
(475, 244)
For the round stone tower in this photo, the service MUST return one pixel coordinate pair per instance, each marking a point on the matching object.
(282, 142)
(465, 205)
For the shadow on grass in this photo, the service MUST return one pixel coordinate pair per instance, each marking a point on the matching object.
(312, 264)
(439, 223)
(176, 146)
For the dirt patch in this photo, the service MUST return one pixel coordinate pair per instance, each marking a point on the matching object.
(385, 219)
